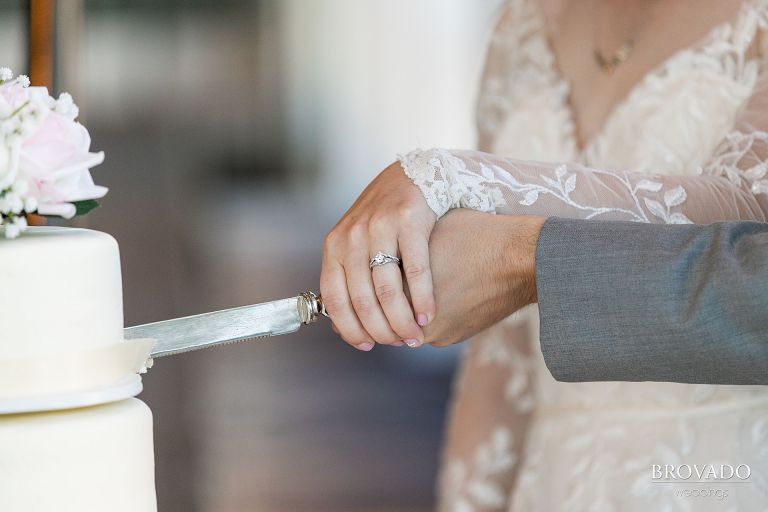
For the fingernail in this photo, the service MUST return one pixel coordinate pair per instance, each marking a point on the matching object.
(365, 347)
(412, 343)
(398, 344)
(421, 318)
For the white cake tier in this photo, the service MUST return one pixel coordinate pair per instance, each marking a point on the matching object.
(82, 460)
(60, 291)
(61, 315)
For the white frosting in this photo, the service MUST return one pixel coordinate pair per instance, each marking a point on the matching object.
(60, 291)
(92, 459)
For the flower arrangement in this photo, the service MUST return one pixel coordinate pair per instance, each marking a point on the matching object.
(44, 156)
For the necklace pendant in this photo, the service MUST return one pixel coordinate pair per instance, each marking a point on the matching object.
(609, 64)
(605, 65)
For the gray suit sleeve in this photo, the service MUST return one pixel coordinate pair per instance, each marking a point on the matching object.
(639, 302)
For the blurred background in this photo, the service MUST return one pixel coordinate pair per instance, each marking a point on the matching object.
(236, 134)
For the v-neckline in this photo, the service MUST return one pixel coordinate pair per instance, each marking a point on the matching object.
(584, 148)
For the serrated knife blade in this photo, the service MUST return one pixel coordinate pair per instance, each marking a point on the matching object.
(230, 325)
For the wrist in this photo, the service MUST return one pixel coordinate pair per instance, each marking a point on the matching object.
(520, 238)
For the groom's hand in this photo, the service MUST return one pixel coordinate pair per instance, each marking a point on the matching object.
(483, 269)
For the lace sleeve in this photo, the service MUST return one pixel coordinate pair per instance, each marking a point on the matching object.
(489, 183)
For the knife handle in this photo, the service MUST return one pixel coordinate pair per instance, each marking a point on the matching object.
(310, 306)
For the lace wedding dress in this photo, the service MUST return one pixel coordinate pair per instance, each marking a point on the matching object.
(686, 145)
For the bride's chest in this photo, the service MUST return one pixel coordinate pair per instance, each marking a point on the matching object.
(666, 118)
(577, 38)
(669, 123)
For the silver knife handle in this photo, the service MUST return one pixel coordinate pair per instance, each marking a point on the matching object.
(310, 306)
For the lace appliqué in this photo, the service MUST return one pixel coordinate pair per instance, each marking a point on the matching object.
(739, 157)
(468, 486)
(565, 182)
(494, 350)
(446, 183)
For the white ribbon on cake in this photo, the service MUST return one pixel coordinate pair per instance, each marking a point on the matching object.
(70, 373)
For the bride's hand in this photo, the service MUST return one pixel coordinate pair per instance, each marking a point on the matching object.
(366, 305)
(483, 268)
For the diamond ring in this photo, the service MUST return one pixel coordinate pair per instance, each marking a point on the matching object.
(383, 258)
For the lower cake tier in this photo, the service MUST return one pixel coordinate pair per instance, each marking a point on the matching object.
(82, 460)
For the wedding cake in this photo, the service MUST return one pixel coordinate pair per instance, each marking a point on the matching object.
(72, 437)
(61, 341)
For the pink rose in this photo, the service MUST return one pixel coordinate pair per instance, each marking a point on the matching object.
(45, 156)
(55, 162)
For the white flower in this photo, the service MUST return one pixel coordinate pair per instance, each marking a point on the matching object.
(23, 80)
(20, 221)
(5, 74)
(65, 106)
(30, 204)
(11, 203)
(15, 226)
(9, 162)
(15, 202)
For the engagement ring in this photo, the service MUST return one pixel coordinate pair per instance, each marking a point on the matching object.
(383, 258)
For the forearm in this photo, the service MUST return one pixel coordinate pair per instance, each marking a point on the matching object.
(483, 268)
(634, 302)
(486, 182)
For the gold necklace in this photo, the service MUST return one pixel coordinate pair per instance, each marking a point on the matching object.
(609, 63)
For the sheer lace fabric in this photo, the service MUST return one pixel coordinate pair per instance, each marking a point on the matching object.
(687, 144)
(489, 183)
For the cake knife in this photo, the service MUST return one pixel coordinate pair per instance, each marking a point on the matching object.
(230, 325)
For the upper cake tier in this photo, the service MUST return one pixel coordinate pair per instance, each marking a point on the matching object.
(60, 291)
